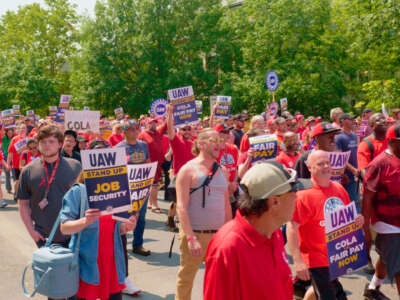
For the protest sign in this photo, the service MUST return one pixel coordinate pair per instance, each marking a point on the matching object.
(338, 161)
(345, 240)
(60, 115)
(265, 146)
(184, 106)
(273, 109)
(8, 118)
(119, 113)
(52, 111)
(106, 180)
(159, 107)
(199, 107)
(384, 111)
(223, 107)
(82, 120)
(30, 113)
(107, 129)
(213, 101)
(20, 146)
(140, 177)
(16, 109)
(362, 129)
(272, 81)
(284, 104)
(86, 108)
(64, 101)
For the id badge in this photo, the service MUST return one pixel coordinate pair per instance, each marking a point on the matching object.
(43, 203)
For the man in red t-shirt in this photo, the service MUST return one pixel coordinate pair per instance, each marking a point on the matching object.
(181, 144)
(117, 135)
(7, 168)
(289, 155)
(153, 136)
(281, 129)
(306, 231)
(376, 142)
(237, 266)
(381, 207)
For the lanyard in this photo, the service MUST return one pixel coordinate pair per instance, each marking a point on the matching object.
(53, 173)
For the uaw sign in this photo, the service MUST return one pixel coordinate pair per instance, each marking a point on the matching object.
(265, 147)
(159, 107)
(185, 112)
(338, 162)
(106, 180)
(344, 240)
(64, 101)
(82, 120)
(223, 107)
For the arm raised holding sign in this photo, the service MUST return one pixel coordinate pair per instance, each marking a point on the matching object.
(170, 122)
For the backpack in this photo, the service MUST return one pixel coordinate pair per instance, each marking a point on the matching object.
(171, 190)
(55, 268)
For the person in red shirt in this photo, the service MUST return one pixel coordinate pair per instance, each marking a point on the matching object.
(13, 155)
(289, 155)
(381, 207)
(281, 129)
(153, 136)
(300, 124)
(246, 158)
(376, 142)
(117, 135)
(30, 154)
(3, 163)
(237, 266)
(257, 121)
(181, 144)
(306, 231)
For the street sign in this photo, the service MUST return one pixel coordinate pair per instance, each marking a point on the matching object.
(272, 81)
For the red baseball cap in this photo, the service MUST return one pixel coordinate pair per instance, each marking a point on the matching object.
(221, 127)
(323, 128)
(393, 133)
(298, 117)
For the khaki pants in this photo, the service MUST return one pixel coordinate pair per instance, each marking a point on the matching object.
(189, 265)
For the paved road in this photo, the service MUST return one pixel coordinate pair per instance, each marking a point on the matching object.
(155, 274)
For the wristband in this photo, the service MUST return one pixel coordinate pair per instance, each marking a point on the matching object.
(191, 238)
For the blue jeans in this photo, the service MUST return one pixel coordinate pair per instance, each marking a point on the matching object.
(139, 230)
(354, 193)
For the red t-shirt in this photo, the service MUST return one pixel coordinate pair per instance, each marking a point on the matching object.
(182, 152)
(244, 143)
(11, 149)
(28, 157)
(33, 133)
(228, 157)
(364, 154)
(115, 139)
(309, 214)
(287, 160)
(383, 177)
(242, 159)
(1, 159)
(243, 264)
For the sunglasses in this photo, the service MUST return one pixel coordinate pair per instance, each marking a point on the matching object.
(216, 140)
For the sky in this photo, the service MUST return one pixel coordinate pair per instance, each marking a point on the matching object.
(83, 5)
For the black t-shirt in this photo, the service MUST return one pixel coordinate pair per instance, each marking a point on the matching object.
(32, 187)
(301, 167)
(75, 155)
(238, 134)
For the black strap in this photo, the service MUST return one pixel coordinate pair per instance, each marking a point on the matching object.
(207, 182)
(370, 147)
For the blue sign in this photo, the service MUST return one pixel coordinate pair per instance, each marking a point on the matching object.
(265, 147)
(272, 81)
(185, 111)
(159, 107)
(345, 241)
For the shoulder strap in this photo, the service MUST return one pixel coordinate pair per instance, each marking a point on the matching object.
(207, 182)
(370, 147)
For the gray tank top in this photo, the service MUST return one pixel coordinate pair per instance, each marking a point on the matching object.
(212, 215)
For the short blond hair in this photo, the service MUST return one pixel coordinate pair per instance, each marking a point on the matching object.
(202, 135)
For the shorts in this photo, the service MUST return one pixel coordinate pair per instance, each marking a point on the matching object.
(387, 245)
(16, 173)
(324, 287)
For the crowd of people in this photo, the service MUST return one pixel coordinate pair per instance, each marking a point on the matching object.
(234, 213)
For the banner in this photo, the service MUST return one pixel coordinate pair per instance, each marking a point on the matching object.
(265, 146)
(82, 120)
(52, 111)
(199, 107)
(284, 104)
(140, 177)
(106, 180)
(338, 161)
(223, 107)
(159, 107)
(345, 241)
(16, 109)
(119, 113)
(20, 146)
(64, 101)
(184, 106)
(8, 118)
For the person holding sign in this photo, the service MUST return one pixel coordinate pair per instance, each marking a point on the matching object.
(306, 232)
(237, 263)
(381, 205)
(289, 155)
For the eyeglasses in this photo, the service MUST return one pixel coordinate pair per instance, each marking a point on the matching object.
(216, 140)
(291, 180)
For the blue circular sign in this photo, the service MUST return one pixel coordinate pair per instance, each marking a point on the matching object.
(272, 81)
(159, 107)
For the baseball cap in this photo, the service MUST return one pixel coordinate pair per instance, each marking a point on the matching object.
(345, 116)
(271, 178)
(81, 138)
(309, 120)
(129, 124)
(393, 133)
(323, 128)
(222, 127)
(238, 117)
(367, 110)
(300, 116)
